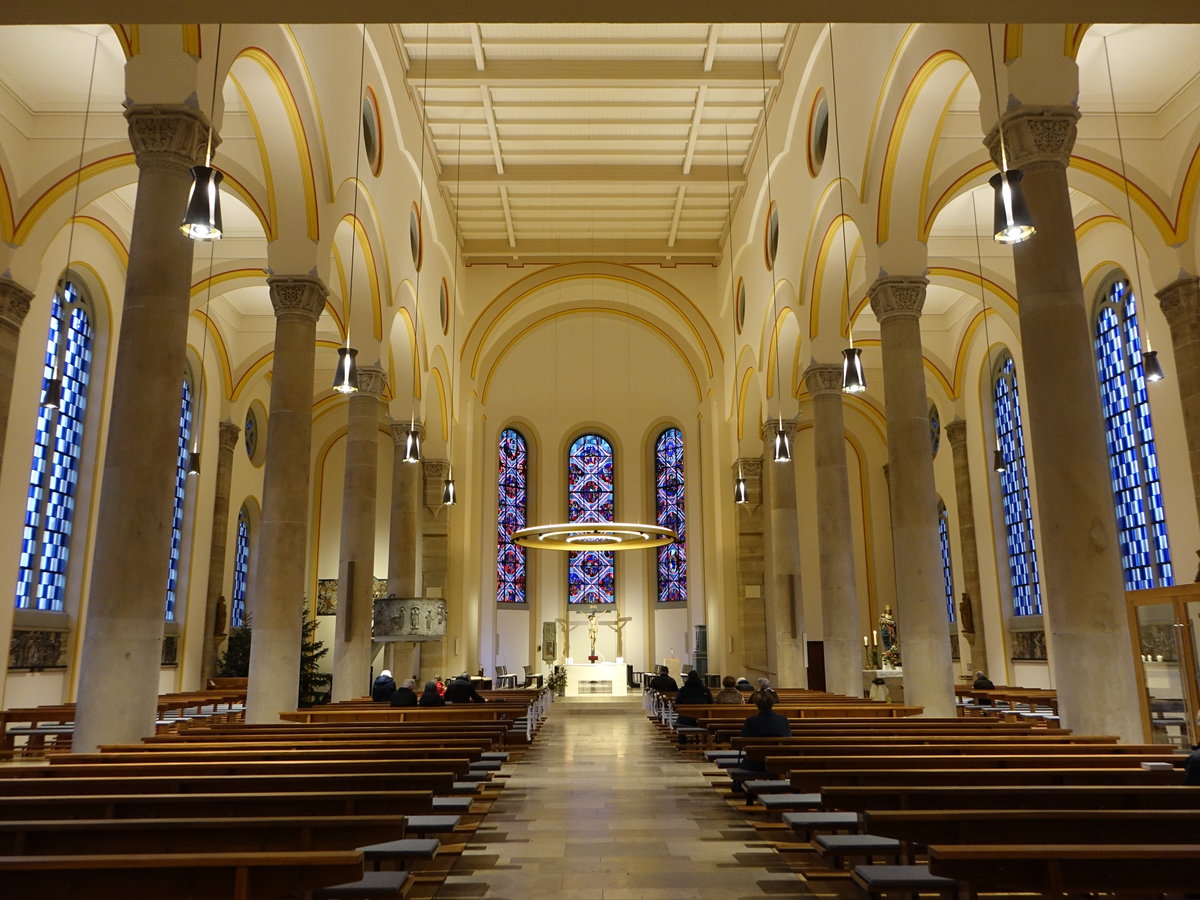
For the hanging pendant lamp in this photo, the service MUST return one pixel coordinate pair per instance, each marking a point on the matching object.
(202, 215)
(449, 494)
(854, 380)
(1012, 222)
(345, 379)
(412, 444)
(1152, 367)
(998, 459)
(739, 489)
(783, 446)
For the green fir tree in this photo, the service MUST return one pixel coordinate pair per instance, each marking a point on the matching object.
(235, 661)
(314, 684)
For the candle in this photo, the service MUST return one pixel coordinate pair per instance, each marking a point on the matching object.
(874, 638)
(864, 640)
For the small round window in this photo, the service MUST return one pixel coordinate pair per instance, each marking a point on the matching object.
(818, 132)
(771, 238)
(740, 305)
(415, 238)
(253, 437)
(444, 306)
(372, 144)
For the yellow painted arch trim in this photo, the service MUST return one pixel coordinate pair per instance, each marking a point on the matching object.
(581, 310)
(923, 200)
(191, 40)
(61, 187)
(316, 101)
(218, 343)
(1014, 41)
(887, 80)
(1174, 231)
(991, 286)
(964, 345)
(442, 402)
(1073, 39)
(6, 211)
(773, 348)
(743, 389)
(368, 252)
(263, 157)
(950, 193)
(304, 156)
(130, 40)
(110, 237)
(1095, 222)
(938, 374)
(416, 351)
(814, 312)
(224, 276)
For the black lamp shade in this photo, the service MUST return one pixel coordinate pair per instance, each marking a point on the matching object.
(194, 463)
(739, 490)
(1152, 367)
(998, 460)
(854, 380)
(449, 494)
(1012, 223)
(202, 219)
(345, 379)
(783, 447)
(412, 447)
(52, 393)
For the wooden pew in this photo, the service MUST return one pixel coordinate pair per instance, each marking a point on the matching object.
(420, 757)
(991, 761)
(812, 780)
(401, 773)
(1149, 796)
(1041, 826)
(440, 783)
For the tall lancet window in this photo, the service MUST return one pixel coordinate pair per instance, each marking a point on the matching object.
(241, 570)
(181, 467)
(57, 446)
(512, 513)
(669, 513)
(590, 498)
(1014, 492)
(947, 571)
(1132, 458)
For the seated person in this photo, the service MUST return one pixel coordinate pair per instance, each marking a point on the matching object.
(384, 687)
(982, 683)
(461, 690)
(743, 684)
(764, 690)
(1191, 770)
(693, 691)
(729, 693)
(663, 680)
(766, 723)
(406, 694)
(430, 696)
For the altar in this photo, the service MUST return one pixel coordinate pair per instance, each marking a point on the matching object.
(587, 679)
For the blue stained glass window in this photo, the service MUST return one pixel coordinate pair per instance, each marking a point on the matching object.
(251, 433)
(54, 474)
(1014, 492)
(181, 467)
(241, 568)
(1132, 458)
(947, 571)
(511, 514)
(669, 513)
(590, 498)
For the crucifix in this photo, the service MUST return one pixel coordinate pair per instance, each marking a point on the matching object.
(566, 627)
(619, 627)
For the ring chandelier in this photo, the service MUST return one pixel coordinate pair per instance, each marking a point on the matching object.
(594, 536)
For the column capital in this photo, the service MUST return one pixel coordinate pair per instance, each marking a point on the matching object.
(749, 466)
(14, 303)
(436, 472)
(227, 435)
(956, 434)
(297, 296)
(898, 295)
(170, 137)
(372, 381)
(823, 379)
(1035, 135)
(769, 426)
(401, 429)
(1180, 300)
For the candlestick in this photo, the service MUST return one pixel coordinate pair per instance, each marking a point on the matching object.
(864, 640)
(874, 638)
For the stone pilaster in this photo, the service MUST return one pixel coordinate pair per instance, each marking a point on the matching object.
(122, 649)
(404, 542)
(921, 613)
(1080, 558)
(1181, 305)
(835, 533)
(214, 630)
(356, 574)
(784, 600)
(277, 598)
(751, 646)
(14, 306)
(970, 610)
(435, 563)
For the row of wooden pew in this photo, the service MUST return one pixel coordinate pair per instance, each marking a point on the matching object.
(957, 807)
(232, 810)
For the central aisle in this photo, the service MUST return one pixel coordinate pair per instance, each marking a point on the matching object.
(601, 808)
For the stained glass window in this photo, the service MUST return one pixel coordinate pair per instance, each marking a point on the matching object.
(1014, 492)
(54, 474)
(181, 467)
(947, 572)
(669, 513)
(241, 568)
(511, 514)
(1132, 458)
(251, 433)
(590, 498)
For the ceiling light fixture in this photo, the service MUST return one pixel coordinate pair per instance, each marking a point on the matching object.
(739, 484)
(997, 454)
(449, 493)
(1012, 222)
(202, 216)
(194, 457)
(412, 442)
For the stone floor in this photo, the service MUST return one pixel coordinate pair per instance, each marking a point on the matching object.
(602, 808)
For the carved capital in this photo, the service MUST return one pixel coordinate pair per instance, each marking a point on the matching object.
(297, 296)
(1180, 301)
(227, 436)
(896, 296)
(371, 382)
(823, 379)
(401, 429)
(1035, 135)
(751, 467)
(435, 471)
(14, 303)
(956, 434)
(771, 425)
(167, 137)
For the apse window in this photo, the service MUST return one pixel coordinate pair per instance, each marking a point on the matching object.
(818, 133)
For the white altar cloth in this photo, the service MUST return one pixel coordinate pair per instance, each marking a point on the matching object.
(600, 671)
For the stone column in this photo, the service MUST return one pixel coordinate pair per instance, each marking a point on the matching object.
(785, 608)
(356, 575)
(215, 624)
(404, 542)
(920, 595)
(1181, 305)
(435, 566)
(835, 534)
(122, 648)
(970, 610)
(14, 305)
(277, 599)
(1080, 558)
(751, 648)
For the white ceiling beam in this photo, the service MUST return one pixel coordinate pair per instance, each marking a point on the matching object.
(490, 114)
(710, 51)
(508, 220)
(585, 174)
(675, 216)
(694, 131)
(572, 73)
(477, 46)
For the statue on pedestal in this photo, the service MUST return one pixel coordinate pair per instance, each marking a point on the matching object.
(887, 636)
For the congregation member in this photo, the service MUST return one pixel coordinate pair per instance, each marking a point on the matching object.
(461, 690)
(663, 681)
(406, 694)
(384, 687)
(430, 696)
(729, 692)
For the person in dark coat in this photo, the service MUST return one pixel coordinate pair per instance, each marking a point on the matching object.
(406, 694)
(765, 723)
(461, 690)
(982, 683)
(384, 687)
(431, 697)
(1191, 770)
(663, 681)
(693, 691)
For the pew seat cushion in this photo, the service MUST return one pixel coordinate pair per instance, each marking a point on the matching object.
(452, 804)
(372, 886)
(839, 846)
(877, 879)
(804, 822)
(790, 801)
(431, 824)
(406, 848)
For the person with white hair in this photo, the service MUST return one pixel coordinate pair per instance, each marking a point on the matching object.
(764, 690)
(384, 687)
